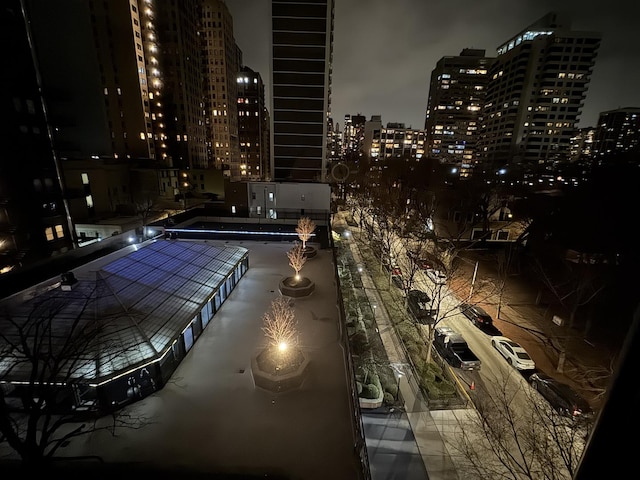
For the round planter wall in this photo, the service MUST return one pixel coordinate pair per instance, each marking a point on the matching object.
(279, 378)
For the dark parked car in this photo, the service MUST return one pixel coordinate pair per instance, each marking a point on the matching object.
(419, 305)
(477, 315)
(560, 396)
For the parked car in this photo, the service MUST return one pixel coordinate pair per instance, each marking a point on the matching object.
(452, 346)
(560, 396)
(419, 305)
(513, 353)
(437, 276)
(393, 269)
(478, 316)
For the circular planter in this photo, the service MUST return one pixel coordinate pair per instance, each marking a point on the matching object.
(291, 287)
(310, 251)
(276, 372)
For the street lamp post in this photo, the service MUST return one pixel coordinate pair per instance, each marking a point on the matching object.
(473, 280)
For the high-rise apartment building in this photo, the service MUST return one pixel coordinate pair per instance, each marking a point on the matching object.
(177, 67)
(618, 131)
(582, 144)
(335, 141)
(536, 92)
(301, 79)
(221, 63)
(372, 129)
(124, 81)
(253, 126)
(34, 220)
(353, 136)
(397, 141)
(456, 96)
(102, 79)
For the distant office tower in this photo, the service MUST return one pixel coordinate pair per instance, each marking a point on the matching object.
(618, 131)
(34, 221)
(222, 61)
(536, 93)
(253, 126)
(335, 141)
(582, 144)
(396, 141)
(301, 79)
(176, 66)
(371, 128)
(456, 97)
(353, 136)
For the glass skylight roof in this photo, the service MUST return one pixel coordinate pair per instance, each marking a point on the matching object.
(138, 304)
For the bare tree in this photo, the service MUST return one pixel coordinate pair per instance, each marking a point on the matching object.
(574, 287)
(305, 230)
(42, 363)
(279, 324)
(297, 258)
(515, 434)
(144, 203)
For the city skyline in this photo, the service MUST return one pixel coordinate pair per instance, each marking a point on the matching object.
(366, 60)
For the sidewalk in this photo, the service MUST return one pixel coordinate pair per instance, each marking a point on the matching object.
(427, 428)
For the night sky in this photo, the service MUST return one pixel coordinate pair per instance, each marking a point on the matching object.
(384, 51)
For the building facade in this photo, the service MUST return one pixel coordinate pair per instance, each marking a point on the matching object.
(301, 85)
(221, 63)
(253, 126)
(535, 95)
(618, 131)
(353, 136)
(456, 96)
(177, 67)
(397, 141)
(34, 215)
(582, 144)
(103, 80)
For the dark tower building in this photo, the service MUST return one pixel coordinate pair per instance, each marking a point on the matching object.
(456, 97)
(182, 110)
(353, 135)
(253, 126)
(222, 60)
(102, 80)
(301, 79)
(618, 131)
(34, 220)
(536, 92)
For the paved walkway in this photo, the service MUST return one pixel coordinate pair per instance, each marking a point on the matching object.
(427, 428)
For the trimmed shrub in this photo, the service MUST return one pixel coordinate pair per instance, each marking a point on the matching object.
(388, 380)
(388, 398)
(370, 391)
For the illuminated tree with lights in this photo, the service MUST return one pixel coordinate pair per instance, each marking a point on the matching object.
(279, 325)
(297, 259)
(305, 230)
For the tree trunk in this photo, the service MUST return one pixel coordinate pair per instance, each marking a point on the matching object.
(561, 359)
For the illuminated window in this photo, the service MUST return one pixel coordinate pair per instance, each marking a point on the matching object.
(85, 179)
(59, 231)
(89, 200)
(49, 233)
